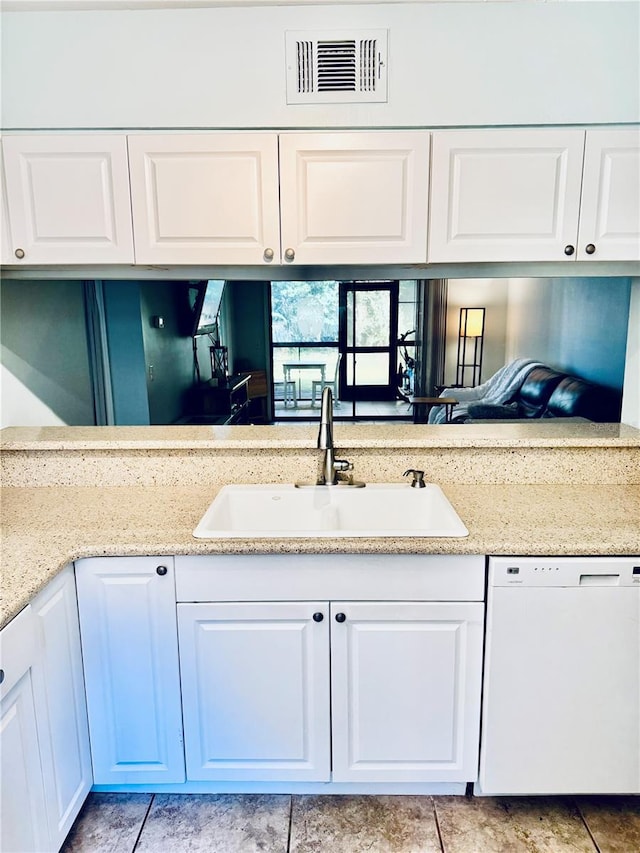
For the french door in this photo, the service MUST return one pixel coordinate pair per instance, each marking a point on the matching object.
(367, 336)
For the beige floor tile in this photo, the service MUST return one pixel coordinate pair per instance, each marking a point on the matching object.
(108, 823)
(614, 822)
(511, 825)
(216, 823)
(351, 824)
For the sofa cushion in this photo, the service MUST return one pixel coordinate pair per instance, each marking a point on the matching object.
(493, 412)
(574, 397)
(536, 390)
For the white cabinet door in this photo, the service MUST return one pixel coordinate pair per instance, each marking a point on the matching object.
(23, 823)
(61, 709)
(130, 650)
(255, 681)
(6, 250)
(505, 195)
(354, 197)
(610, 210)
(405, 681)
(208, 198)
(68, 199)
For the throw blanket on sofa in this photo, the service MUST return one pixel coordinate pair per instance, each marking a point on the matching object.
(495, 391)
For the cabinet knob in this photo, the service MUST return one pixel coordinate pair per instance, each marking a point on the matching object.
(340, 617)
(289, 254)
(318, 617)
(590, 249)
(161, 570)
(1, 675)
(569, 250)
(19, 253)
(268, 254)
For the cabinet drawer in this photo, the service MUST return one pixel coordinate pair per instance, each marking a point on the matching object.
(373, 577)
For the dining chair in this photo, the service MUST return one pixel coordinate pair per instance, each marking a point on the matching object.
(319, 385)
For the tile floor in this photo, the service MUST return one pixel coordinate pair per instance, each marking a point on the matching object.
(175, 823)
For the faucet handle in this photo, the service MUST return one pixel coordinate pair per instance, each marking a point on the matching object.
(418, 478)
(342, 465)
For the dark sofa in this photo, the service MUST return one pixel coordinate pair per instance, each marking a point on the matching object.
(546, 393)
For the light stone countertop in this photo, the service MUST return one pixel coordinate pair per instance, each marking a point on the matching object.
(45, 528)
(554, 432)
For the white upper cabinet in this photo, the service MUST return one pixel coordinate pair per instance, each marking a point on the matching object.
(610, 212)
(209, 198)
(354, 197)
(221, 198)
(6, 250)
(505, 195)
(68, 198)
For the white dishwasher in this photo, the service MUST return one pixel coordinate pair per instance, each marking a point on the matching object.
(561, 697)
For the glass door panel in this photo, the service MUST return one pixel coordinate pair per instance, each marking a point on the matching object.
(372, 318)
(371, 368)
(367, 340)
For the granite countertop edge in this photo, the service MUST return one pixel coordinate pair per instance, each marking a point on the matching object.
(550, 433)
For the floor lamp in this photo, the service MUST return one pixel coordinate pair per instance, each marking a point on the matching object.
(470, 345)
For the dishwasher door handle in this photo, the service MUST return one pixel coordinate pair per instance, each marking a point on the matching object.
(599, 580)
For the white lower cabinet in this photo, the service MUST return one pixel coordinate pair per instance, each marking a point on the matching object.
(24, 821)
(45, 759)
(255, 690)
(130, 647)
(346, 691)
(405, 680)
(61, 705)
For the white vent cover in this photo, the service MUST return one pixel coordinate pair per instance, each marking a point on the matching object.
(336, 67)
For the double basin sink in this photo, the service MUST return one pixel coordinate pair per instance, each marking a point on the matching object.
(284, 511)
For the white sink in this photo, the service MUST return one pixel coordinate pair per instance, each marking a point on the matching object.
(276, 511)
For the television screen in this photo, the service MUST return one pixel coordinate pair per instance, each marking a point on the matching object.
(203, 304)
(210, 307)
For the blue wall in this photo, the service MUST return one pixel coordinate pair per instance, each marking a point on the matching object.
(577, 325)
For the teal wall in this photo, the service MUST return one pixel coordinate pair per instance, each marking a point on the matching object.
(248, 326)
(168, 352)
(126, 352)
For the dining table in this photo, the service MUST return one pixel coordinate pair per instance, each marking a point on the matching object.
(299, 366)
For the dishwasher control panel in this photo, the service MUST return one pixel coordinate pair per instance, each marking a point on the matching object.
(564, 571)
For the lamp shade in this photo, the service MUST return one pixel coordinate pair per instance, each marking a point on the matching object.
(474, 327)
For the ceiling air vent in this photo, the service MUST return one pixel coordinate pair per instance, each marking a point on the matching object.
(336, 67)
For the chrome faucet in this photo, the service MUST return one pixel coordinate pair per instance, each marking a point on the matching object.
(330, 466)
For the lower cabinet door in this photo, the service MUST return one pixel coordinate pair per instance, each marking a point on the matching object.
(60, 705)
(405, 681)
(255, 685)
(130, 649)
(23, 818)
